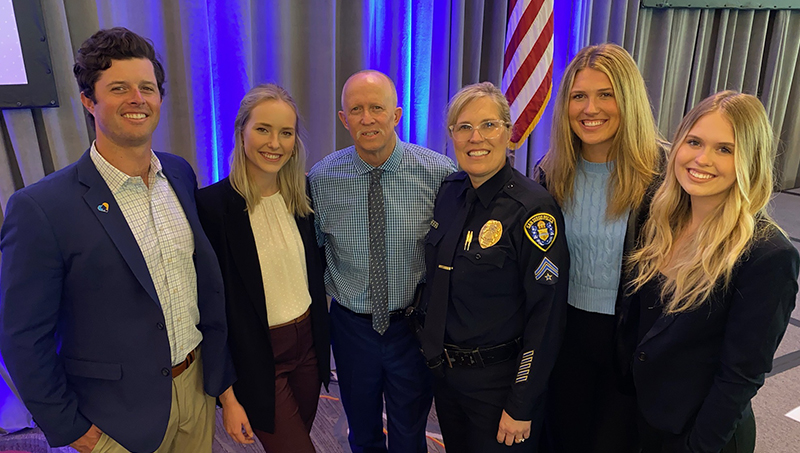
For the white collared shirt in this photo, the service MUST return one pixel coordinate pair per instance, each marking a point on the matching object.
(158, 222)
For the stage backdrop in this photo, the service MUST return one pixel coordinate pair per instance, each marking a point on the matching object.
(214, 50)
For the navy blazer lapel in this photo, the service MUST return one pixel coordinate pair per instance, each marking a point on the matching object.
(243, 248)
(105, 208)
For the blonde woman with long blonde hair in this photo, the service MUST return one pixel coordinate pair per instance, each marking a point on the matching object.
(602, 168)
(713, 284)
(260, 223)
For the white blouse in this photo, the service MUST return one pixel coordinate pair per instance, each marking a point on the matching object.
(281, 254)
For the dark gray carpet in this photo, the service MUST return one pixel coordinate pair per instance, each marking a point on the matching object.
(329, 433)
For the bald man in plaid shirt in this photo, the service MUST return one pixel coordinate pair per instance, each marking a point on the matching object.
(373, 204)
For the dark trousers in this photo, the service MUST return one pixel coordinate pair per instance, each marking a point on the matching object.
(587, 413)
(469, 403)
(657, 441)
(374, 368)
(297, 387)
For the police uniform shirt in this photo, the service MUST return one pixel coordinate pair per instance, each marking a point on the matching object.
(509, 276)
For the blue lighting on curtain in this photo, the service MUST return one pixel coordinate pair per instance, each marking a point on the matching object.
(405, 57)
(578, 29)
(419, 62)
(215, 124)
(407, 41)
(230, 66)
(374, 40)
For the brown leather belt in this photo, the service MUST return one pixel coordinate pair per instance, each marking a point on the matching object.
(293, 321)
(181, 367)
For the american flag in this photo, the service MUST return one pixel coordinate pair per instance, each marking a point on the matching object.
(528, 64)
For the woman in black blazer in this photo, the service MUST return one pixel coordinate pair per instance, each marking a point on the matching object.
(713, 284)
(261, 226)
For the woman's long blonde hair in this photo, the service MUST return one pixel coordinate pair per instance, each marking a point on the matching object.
(634, 150)
(708, 256)
(291, 177)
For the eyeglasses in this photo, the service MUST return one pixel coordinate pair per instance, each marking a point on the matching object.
(488, 129)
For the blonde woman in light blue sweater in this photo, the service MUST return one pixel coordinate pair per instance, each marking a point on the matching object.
(602, 168)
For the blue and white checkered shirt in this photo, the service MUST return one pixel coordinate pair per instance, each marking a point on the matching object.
(339, 186)
(158, 223)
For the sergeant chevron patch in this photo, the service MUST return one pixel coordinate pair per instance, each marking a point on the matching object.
(546, 269)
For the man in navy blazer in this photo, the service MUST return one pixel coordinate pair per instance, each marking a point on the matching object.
(112, 319)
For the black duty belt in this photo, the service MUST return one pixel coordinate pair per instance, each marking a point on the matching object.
(455, 356)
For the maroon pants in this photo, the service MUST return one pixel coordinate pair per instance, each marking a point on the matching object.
(297, 387)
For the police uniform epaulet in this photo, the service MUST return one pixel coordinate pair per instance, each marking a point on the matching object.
(457, 176)
(528, 193)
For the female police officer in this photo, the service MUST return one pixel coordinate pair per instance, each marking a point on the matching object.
(496, 286)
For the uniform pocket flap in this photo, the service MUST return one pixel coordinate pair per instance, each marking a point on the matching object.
(94, 370)
(495, 257)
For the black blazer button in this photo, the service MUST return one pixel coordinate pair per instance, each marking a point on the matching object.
(642, 356)
(477, 256)
(165, 372)
(160, 326)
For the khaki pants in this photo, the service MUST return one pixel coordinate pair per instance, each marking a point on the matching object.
(191, 418)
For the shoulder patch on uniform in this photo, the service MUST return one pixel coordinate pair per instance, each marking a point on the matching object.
(456, 176)
(546, 269)
(541, 229)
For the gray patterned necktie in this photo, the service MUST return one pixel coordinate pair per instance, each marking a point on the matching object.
(378, 279)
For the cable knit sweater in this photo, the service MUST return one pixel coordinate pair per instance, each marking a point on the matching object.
(595, 242)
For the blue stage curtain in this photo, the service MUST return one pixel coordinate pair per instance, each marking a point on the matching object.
(215, 50)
